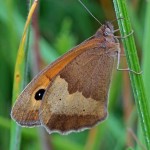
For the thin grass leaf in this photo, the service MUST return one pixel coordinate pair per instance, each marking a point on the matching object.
(133, 63)
(19, 77)
(146, 54)
(146, 45)
(135, 22)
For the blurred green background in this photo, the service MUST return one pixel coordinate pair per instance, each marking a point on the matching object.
(56, 27)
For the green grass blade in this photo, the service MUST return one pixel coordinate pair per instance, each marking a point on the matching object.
(133, 63)
(146, 45)
(146, 54)
(19, 79)
(135, 23)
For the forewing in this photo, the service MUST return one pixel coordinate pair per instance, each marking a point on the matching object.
(26, 109)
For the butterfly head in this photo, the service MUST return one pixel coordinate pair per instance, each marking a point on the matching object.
(106, 30)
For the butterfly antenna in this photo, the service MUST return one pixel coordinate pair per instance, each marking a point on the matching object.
(89, 12)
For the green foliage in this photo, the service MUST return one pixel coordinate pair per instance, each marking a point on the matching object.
(62, 25)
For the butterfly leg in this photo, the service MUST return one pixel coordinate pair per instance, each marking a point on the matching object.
(126, 69)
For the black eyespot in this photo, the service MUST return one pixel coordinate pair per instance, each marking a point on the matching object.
(39, 94)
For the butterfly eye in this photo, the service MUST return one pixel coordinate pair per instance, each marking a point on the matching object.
(106, 33)
(39, 94)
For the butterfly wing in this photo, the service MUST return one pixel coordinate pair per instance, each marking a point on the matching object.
(77, 97)
(71, 93)
(26, 109)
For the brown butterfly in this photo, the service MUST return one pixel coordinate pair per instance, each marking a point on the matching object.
(71, 94)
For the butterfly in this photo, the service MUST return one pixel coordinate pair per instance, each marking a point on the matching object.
(71, 94)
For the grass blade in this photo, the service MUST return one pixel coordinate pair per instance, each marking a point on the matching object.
(19, 77)
(133, 63)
